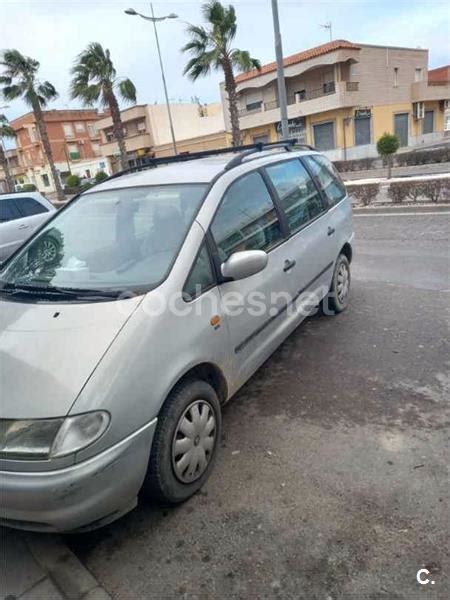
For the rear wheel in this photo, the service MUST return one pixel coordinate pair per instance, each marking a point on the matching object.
(185, 443)
(337, 298)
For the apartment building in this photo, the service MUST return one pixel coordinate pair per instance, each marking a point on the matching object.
(15, 168)
(75, 143)
(147, 131)
(343, 96)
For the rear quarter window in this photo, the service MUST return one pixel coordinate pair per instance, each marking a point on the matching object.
(30, 206)
(328, 178)
(8, 210)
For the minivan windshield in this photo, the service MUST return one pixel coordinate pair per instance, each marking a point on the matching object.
(113, 241)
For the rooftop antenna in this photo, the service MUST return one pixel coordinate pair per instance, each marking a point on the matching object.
(328, 25)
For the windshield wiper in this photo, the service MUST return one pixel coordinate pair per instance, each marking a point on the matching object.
(52, 292)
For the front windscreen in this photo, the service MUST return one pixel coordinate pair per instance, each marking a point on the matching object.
(115, 240)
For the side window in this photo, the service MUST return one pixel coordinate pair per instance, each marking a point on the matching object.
(30, 206)
(8, 210)
(298, 194)
(246, 219)
(201, 276)
(329, 179)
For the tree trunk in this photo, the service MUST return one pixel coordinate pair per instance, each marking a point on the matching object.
(118, 128)
(39, 116)
(389, 162)
(4, 164)
(230, 87)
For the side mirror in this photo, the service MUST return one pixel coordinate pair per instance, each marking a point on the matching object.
(244, 264)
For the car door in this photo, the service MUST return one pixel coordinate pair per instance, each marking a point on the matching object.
(308, 222)
(255, 307)
(339, 216)
(33, 213)
(11, 230)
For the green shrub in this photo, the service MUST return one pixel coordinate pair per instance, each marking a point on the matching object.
(387, 146)
(432, 189)
(100, 176)
(398, 191)
(72, 181)
(366, 193)
(28, 187)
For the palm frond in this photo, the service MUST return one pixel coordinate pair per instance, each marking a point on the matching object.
(242, 60)
(12, 92)
(127, 90)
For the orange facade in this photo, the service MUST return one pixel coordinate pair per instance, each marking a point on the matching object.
(73, 137)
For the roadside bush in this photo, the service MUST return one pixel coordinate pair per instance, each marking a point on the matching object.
(432, 189)
(72, 181)
(365, 194)
(28, 187)
(387, 146)
(398, 191)
(423, 157)
(100, 176)
(360, 164)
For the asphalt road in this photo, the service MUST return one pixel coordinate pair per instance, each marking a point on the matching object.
(332, 480)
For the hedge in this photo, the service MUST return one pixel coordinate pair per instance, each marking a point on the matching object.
(434, 190)
(417, 157)
(365, 193)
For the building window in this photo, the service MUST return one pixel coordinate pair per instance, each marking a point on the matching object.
(45, 180)
(109, 136)
(253, 105)
(362, 127)
(447, 123)
(74, 152)
(395, 76)
(261, 139)
(418, 75)
(328, 87)
(96, 149)
(68, 130)
(33, 134)
(79, 127)
(300, 95)
(92, 129)
(141, 126)
(428, 122)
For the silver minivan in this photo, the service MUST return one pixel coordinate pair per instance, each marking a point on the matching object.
(169, 287)
(21, 213)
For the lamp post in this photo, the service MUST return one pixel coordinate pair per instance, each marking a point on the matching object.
(153, 19)
(280, 72)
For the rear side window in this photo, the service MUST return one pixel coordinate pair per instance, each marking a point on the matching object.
(201, 277)
(246, 219)
(298, 194)
(328, 177)
(8, 210)
(30, 206)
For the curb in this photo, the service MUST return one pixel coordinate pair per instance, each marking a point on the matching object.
(68, 574)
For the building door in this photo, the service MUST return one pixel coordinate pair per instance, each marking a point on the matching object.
(427, 123)
(324, 136)
(401, 125)
(362, 130)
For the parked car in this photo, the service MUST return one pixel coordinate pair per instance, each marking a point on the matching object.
(119, 349)
(20, 214)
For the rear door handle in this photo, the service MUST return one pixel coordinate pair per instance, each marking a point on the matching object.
(23, 226)
(288, 265)
(331, 230)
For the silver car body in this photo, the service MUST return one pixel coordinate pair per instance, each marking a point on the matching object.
(114, 356)
(14, 232)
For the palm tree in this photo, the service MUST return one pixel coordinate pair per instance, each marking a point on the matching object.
(19, 80)
(210, 48)
(95, 80)
(6, 131)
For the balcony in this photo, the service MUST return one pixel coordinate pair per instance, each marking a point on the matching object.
(132, 143)
(327, 97)
(422, 91)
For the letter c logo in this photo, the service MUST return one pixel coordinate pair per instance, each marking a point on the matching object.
(419, 576)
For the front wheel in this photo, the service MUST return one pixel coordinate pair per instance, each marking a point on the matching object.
(337, 298)
(185, 443)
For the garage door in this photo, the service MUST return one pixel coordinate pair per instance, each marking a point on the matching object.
(362, 131)
(324, 136)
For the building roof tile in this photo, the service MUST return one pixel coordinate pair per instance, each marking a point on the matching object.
(439, 76)
(299, 57)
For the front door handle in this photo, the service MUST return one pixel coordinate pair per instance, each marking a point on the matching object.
(288, 265)
(331, 230)
(23, 226)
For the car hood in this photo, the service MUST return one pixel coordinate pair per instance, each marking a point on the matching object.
(48, 352)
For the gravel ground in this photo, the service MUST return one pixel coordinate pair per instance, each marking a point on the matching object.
(332, 479)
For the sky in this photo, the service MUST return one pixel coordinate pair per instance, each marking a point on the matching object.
(55, 31)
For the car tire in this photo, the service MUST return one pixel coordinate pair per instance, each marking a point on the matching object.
(337, 298)
(187, 434)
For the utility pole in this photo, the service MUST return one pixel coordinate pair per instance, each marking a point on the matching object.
(280, 72)
(328, 25)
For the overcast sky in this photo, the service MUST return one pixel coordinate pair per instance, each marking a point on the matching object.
(55, 31)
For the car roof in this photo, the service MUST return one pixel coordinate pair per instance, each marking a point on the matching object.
(198, 170)
(20, 194)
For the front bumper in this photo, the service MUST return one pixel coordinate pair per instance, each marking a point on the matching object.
(84, 496)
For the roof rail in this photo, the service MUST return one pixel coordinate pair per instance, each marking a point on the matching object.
(244, 150)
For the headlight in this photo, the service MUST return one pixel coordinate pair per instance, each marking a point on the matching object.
(49, 438)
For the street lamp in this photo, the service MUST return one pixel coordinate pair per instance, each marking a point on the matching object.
(153, 19)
